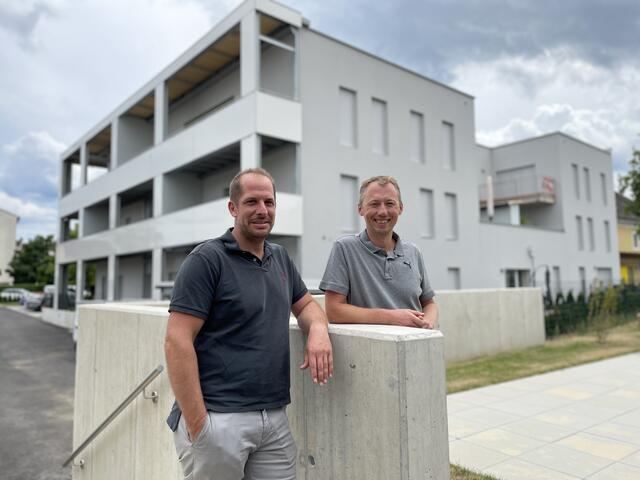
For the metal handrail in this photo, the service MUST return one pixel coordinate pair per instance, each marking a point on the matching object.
(116, 412)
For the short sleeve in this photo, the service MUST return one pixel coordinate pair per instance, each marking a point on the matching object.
(427, 292)
(194, 287)
(298, 288)
(336, 276)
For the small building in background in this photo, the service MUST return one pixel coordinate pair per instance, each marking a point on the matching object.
(8, 225)
(628, 242)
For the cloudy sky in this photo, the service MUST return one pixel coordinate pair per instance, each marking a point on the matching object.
(534, 67)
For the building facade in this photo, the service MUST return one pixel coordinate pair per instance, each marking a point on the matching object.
(8, 225)
(262, 88)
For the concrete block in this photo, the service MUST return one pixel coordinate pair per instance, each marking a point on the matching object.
(384, 413)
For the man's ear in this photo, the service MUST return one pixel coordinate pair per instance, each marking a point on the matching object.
(360, 212)
(232, 209)
(401, 208)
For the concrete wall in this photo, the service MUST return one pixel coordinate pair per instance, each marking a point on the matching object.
(483, 322)
(134, 277)
(382, 416)
(134, 137)
(8, 224)
(96, 218)
(60, 318)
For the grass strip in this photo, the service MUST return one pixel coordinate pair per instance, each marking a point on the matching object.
(459, 473)
(555, 354)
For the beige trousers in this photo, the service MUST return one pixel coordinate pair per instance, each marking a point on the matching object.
(235, 446)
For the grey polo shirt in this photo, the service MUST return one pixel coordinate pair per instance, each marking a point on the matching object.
(245, 302)
(371, 278)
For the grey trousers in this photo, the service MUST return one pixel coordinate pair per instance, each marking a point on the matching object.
(234, 446)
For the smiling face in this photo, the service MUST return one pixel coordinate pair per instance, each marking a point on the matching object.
(255, 210)
(380, 207)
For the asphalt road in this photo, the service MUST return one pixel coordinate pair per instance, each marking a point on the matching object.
(37, 369)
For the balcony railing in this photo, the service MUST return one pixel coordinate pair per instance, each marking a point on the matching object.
(530, 189)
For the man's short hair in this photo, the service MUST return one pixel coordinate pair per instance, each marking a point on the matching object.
(381, 180)
(235, 188)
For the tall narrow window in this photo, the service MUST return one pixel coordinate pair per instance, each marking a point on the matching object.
(348, 118)
(427, 221)
(557, 283)
(583, 280)
(587, 184)
(576, 180)
(448, 144)
(416, 132)
(607, 236)
(454, 278)
(451, 209)
(592, 238)
(349, 203)
(579, 232)
(603, 188)
(379, 127)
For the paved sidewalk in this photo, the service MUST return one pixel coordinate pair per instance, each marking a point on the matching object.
(578, 423)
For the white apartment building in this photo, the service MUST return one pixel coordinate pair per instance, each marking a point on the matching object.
(8, 225)
(262, 88)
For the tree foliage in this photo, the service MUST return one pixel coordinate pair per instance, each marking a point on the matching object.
(34, 261)
(631, 182)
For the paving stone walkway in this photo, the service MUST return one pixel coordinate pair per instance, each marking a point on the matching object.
(578, 423)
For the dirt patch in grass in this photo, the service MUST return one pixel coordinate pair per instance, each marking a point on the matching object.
(562, 352)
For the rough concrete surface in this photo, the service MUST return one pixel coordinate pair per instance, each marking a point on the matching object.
(37, 365)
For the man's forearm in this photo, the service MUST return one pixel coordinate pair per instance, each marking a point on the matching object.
(345, 313)
(182, 367)
(431, 313)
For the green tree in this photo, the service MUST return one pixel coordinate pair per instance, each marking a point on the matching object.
(34, 262)
(631, 182)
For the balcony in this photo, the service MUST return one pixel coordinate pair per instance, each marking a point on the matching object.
(520, 191)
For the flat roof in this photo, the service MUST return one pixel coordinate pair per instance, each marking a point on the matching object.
(388, 62)
(549, 135)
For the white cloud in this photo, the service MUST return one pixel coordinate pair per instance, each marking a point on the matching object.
(517, 97)
(25, 209)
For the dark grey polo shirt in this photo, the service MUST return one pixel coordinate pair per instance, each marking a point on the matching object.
(245, 302)
(371, 278)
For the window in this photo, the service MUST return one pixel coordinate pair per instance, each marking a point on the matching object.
(451, 209)
(517, 278)
(579, 232)
(587, 184)
(448, 150)
(379, 127)
(603, 188)
(557, 283)
(348, 118)
(416, 133)
(607, 236)
(453, 274)
(583, 280)
(576, 181)
(427, 220)
(349, 203)
(592, 239)
(636, 241)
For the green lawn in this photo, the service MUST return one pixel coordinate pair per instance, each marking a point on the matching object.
(459, 473)
(562, 352)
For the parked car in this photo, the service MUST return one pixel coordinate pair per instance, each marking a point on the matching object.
(13, 294)
(33, 301)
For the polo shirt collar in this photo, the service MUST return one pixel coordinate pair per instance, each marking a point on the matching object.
(230, 243)
(366, 241)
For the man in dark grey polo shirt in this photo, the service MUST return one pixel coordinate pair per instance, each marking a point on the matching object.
(227, 345)
(375, 277)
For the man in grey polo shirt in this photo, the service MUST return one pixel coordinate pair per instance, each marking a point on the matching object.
(227, 345)
(375, 277)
